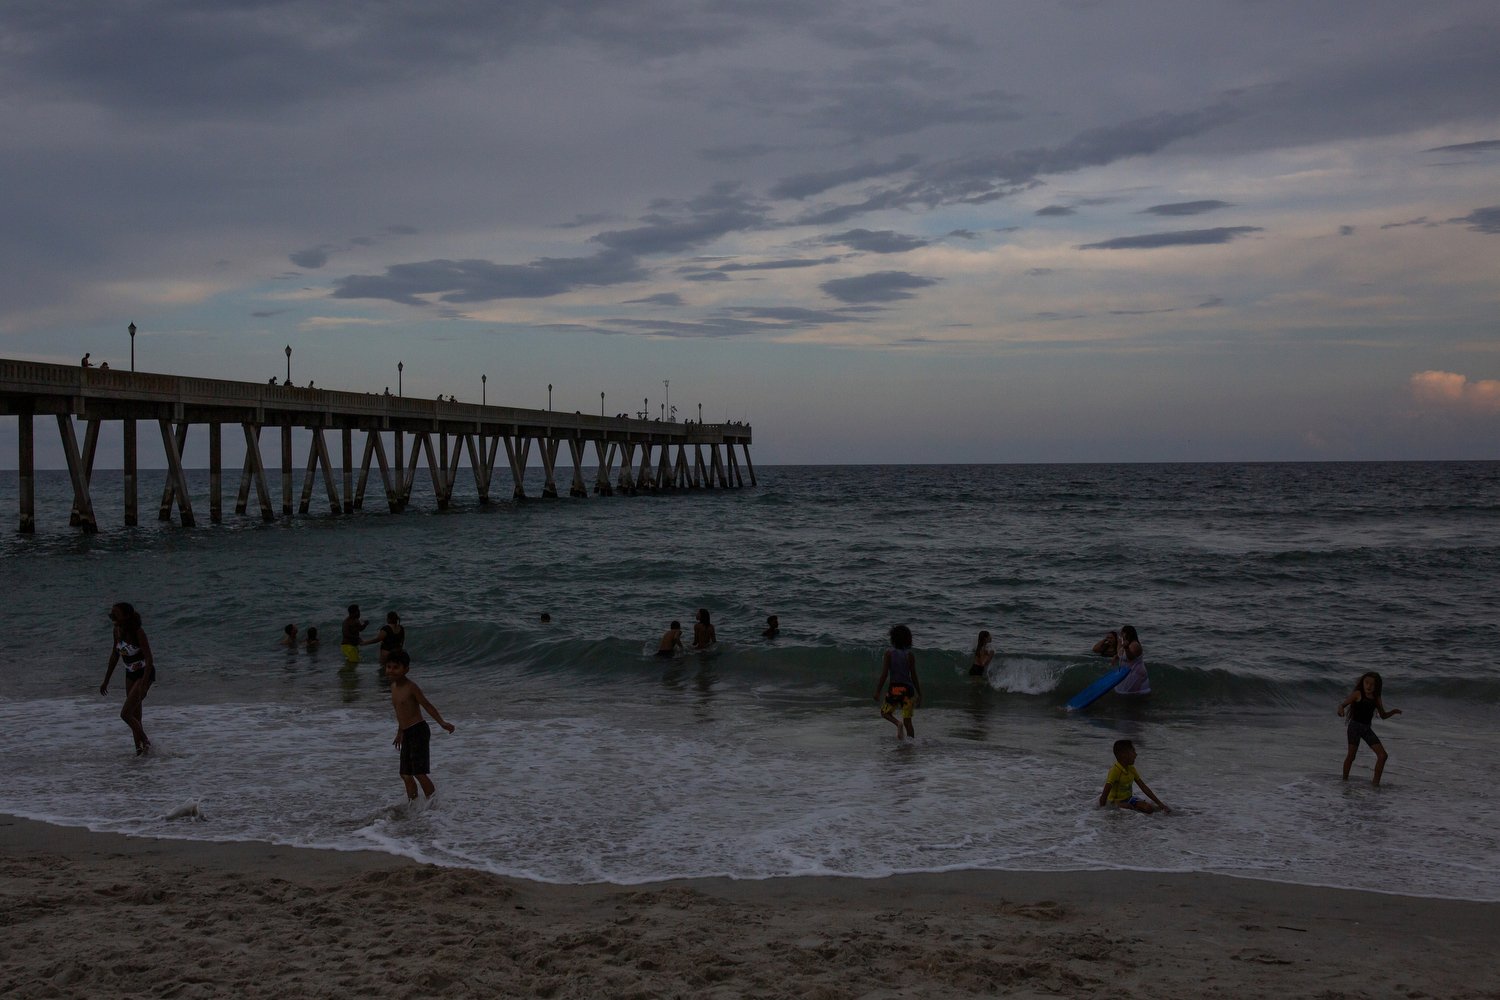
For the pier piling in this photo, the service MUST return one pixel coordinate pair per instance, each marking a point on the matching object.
(631, 455)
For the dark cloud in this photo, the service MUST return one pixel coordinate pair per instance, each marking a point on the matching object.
(777, 265)
(1213, 302)
(255, 56)
(1419, 221)
(266, 313)
(587, 220)
(310, 259)
(735, 321)
(1055, 210)
(1483, 220)
(709, 327)
(878, 241)
(806, 185)
(723, 210)
(315, 257)
(1186, 208)
(705, 276)
(459, 281)
(659, 299)
(963, 234)
(975, 180)
(1185, 238)
(871, 108)
(794, 314)
(1346, 230)
(739, 153)
(1483, 146)
(1140, 312)
(881, 286)
(1039, 272)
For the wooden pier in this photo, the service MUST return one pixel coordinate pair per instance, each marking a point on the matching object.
(630, 455)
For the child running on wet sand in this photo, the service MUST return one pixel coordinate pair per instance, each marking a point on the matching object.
(1363, 702)
(1122, 776)
(899, 665)
(412, 732)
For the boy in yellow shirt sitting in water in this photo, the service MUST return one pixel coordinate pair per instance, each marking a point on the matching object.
(1122, 776)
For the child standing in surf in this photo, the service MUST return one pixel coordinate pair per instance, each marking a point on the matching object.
(412, 732)
(899, 666)
(1363, 702)
(130, 646)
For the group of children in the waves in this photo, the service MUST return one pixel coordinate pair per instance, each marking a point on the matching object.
(898, 691)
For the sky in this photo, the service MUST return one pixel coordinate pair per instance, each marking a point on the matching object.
(1051, 231)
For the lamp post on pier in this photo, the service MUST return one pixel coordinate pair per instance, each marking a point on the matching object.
(400, 367)
(484, 390)
(700, 413)
(601, 404)
(666, 408)
(131, 328)
(288, 364)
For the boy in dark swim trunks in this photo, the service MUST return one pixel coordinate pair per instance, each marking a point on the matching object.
(412, 732)
(671, 641)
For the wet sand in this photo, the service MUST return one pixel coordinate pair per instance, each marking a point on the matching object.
(103, 915)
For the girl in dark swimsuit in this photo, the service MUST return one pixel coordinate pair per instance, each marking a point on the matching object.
(983, 654)
(1363, 702)
(391, 636)
(130, 644)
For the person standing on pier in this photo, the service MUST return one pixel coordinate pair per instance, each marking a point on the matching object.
(130, 644)
(350, 642)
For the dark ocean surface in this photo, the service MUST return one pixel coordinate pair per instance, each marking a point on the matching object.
(1260, 592)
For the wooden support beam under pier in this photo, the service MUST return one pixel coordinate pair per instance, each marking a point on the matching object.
(286, 470)
(132, 515)
(176, 477)
(215, 472)
(346, 437)
(670, 456)
(82, 505)
(90, 445)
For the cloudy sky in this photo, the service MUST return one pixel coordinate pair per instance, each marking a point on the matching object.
(973, 231)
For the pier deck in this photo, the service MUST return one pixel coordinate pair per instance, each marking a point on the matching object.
(629, 455)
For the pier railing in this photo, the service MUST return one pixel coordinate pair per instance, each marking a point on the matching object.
(650, 455)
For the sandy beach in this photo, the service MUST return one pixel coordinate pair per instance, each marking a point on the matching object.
(101, 915)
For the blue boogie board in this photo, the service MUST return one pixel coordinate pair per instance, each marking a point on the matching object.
(1098, 689)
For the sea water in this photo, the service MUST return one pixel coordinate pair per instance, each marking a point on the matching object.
(1260, 593)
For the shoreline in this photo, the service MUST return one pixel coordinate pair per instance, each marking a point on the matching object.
(91, 914)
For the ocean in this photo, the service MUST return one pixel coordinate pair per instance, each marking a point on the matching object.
(1260, 593)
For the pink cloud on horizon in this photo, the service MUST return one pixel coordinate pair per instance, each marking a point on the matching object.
(1450, 389)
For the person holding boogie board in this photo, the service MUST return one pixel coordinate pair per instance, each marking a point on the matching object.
(1131, 657)
(1128, 669)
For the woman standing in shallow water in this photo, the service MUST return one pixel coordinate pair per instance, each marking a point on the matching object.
(130, 644)
(1130, 655)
